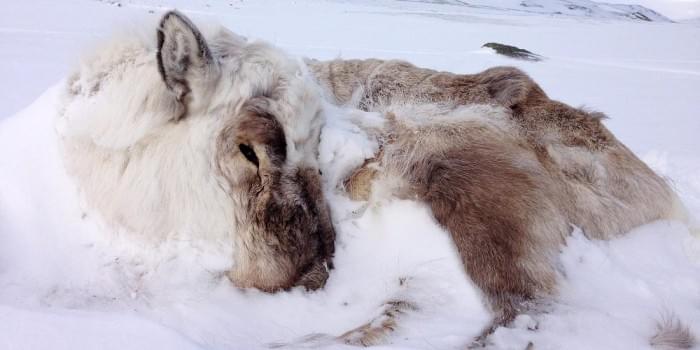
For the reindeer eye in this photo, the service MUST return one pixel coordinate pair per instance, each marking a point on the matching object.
(248, 153)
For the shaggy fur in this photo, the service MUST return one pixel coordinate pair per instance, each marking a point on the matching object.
(204, 138)
(672, 334)
(506, 170)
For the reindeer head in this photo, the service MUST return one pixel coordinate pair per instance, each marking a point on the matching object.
(265, 149)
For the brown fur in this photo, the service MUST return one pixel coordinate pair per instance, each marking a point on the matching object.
(506, 181)
(290, 220)
(382, 81)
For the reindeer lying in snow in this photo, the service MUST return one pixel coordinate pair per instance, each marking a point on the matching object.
(216, 138)
(506, 170)
(204, 138)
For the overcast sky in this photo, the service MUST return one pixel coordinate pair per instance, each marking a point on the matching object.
(673, 9)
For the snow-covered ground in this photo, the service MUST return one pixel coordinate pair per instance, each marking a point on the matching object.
(63, 285)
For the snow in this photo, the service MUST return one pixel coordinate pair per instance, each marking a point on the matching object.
(65, 284)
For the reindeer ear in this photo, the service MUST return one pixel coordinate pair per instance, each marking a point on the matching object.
(184, 58)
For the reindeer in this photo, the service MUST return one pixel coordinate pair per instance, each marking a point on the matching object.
(212, 137)
(204, 137)
(506, 170)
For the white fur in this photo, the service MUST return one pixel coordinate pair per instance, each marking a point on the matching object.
(153, 175)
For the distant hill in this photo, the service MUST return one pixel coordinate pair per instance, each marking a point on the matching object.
(575, 8)
(692, 20)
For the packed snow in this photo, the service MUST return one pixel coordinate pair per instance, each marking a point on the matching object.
(66, 282)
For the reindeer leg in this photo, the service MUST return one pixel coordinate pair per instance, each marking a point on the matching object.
(507, 284)
(376, 330)
(488, 208)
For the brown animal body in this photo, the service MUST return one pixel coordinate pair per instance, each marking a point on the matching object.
(506, 170)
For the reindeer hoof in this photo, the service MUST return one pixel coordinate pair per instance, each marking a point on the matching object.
(375, 331)
(368, 334)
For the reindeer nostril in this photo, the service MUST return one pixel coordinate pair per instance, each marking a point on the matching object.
(249, 153)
